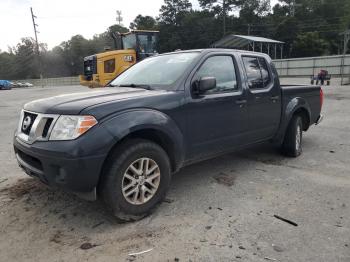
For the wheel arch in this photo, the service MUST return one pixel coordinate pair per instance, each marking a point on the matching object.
(305, 117)
(154, 135)
(296, 106)
(150, 125)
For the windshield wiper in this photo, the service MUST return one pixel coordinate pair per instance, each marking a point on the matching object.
(134, 85)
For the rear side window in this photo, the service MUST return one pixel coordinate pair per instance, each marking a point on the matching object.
(252, 68)
(223, 69)
(109, 66)
(264, 71)
(257, 72)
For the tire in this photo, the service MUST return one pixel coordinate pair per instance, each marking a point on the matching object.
(292, 144)
(122, 165)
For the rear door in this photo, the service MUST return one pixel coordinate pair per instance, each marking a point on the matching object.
(217, 119)
(264, 98)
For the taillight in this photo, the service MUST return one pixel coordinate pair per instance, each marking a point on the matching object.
(321, 97)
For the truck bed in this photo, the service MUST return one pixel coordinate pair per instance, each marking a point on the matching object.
(311, 95)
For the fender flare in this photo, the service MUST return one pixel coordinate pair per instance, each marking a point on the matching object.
(127, 122)
(296, 104)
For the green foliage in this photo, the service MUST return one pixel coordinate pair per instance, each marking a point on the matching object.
(144, 23)
(310, 44)
(64, 60)
(173, 11)
(312, 31)
(251, 9)
(218, 6)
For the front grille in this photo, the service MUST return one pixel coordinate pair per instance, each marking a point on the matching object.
(35, 126)
(47, 127)
(90, 67)
(28, 121)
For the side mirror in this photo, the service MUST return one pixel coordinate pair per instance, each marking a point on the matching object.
(204, 84)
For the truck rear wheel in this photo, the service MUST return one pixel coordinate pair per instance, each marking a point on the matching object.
(136, 179)
(292, 144)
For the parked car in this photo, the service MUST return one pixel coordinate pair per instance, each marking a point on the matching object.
(124, 142)
(5, 85)
(15, 84)
(12, 84)
(28, 84)
(20, 84)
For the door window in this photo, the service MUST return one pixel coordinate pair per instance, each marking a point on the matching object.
(223, 69)
(264, 72)
(257, 71)
(109, 66)
(252, 68)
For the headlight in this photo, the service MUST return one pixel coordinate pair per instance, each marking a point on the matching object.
(70, 127)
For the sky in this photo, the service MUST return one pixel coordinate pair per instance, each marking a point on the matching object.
(58, 20)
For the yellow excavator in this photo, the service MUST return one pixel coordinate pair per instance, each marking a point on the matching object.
(131, 47)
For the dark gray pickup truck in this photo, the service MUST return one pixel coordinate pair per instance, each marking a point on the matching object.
(123, 142)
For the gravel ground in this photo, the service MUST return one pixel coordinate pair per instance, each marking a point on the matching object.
(217, 210)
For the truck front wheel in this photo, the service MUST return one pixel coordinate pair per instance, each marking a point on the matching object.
(136, 179)
(292, 140)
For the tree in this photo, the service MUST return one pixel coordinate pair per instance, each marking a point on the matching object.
(250, 10)
(144, 23)
(117, 29)
(309, 44)
(220, 8)
(172, 11)
(198, 29)
(7, 62)
(26, 64)
(308, 28)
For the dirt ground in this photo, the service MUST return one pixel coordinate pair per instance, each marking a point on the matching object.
(217, 210)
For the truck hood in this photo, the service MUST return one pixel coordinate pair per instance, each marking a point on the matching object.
(74, 103)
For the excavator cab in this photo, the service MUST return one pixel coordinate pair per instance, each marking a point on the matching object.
(131, 47)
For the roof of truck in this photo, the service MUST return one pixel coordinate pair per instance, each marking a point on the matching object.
(208, 50)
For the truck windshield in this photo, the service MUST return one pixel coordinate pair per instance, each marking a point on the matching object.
(157, 71)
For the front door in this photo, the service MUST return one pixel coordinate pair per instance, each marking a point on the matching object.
(217, 119)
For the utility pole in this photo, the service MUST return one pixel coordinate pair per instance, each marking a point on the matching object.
(294, 5)
(37, 47)
(345, 50)
(224, 16)
(293, 9)
(119, 17)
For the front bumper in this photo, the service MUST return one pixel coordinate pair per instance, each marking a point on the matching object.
(93, 83)
(58, 164)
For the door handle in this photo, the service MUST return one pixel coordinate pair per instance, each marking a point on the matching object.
(241, 102)
(274, 97)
